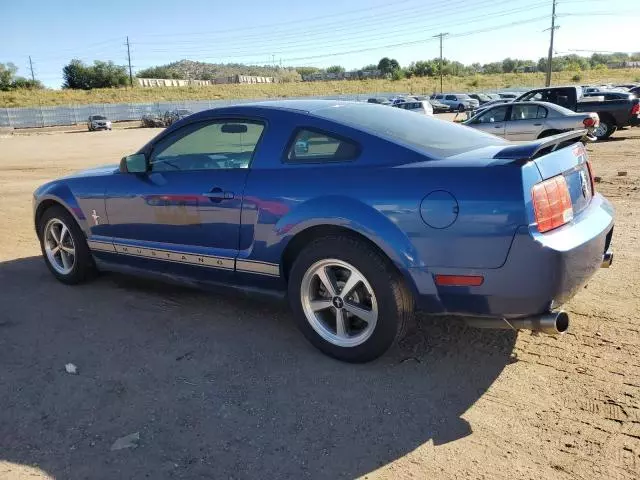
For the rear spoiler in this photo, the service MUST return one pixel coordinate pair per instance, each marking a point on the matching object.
(532, 150)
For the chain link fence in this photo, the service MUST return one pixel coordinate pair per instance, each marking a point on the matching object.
(117, 112)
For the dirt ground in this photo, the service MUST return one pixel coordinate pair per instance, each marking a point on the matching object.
(221, 387)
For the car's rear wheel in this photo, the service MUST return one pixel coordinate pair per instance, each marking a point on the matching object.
(605, 129)
(64, 246)
(348, 300)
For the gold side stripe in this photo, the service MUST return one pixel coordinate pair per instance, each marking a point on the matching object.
(179, 257)
(249, 266)
(101, 246)
(261, 268)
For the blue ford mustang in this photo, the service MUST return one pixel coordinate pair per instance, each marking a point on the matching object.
(359, 213)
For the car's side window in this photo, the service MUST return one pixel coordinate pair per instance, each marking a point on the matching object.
(310, 146)
(542, 112)
(450, 97)
(212, 145)
(494, 115)
(524, 112)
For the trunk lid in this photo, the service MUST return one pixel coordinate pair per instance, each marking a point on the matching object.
(558, 155)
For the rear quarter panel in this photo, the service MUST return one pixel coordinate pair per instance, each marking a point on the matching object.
(379, 195)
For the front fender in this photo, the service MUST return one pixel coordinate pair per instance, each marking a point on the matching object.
(354, 215)
(61, 194)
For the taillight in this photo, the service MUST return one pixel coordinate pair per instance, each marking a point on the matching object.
(635, 110)
(552, 203)
(591, 178)
(591, 121)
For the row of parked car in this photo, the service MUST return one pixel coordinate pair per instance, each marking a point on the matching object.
(538, 113)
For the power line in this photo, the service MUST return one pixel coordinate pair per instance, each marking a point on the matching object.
(289, 22)
(329, 29)
(352, 40)
(402, 44)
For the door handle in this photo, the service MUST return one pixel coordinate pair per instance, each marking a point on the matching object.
(537, 124)
(498, 126)
(217, 194)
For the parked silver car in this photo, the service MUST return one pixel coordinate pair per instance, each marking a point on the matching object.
(423, 107)
(457, 101)
(98, 122)
(531, 120)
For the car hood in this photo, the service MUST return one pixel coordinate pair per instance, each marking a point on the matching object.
(95, 172)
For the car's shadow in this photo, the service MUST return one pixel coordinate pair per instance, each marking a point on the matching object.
(216, 386)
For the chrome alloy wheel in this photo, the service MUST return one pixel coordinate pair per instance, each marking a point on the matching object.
(601, 129)
(59, 246)
(339, 303)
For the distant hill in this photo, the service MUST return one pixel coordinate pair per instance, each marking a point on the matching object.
(188, 69)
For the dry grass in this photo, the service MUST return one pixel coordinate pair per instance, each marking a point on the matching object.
(414, 85)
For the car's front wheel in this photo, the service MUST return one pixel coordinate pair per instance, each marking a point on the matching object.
(347, 299)
(64, 246)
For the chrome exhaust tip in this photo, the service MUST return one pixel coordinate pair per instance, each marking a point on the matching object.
(607, 259)
(552, 323)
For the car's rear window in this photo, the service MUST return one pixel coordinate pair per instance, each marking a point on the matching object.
(436, 138)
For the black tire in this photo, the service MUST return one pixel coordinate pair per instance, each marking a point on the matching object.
(83, 266)
(394, 300)
(607, 128)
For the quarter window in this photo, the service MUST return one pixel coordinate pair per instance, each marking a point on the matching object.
(207, 146)
(316, 146)
(528, 112)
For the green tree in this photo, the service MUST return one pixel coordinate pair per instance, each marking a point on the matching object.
(495, 67)
(307, 70)
(388, 65)
(9, 80)
(7, 73)
(159, 72)
(77, 75)
(27, 83)
(398, 74)
(336, 69)
(384, 65)
(509, 65)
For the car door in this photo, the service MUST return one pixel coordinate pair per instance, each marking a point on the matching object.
(492, 120)
(526, 122)
(185, 210)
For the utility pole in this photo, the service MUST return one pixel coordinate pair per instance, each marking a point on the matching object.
(441, 35)
(550, 58)
(33, 77)
(129, 58)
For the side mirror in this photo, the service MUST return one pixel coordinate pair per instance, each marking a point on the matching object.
(136, 163)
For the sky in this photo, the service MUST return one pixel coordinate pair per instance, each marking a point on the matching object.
(352, 33)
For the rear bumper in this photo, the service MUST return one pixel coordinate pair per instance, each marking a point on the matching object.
(542, 271)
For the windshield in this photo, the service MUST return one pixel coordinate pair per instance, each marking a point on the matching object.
(436, 138)
(98, 117)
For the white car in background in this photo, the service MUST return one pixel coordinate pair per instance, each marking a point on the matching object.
(420, 106)
(457, 101)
